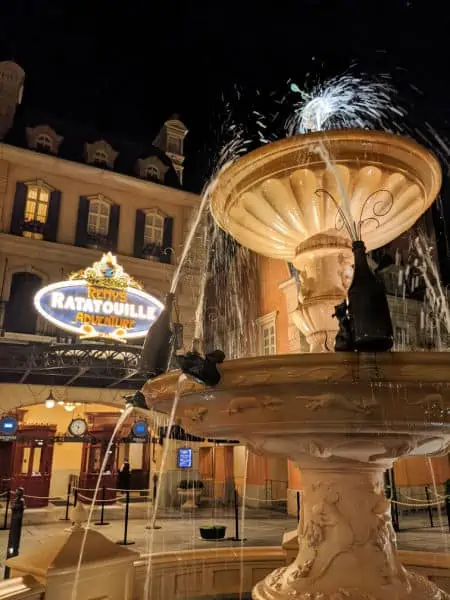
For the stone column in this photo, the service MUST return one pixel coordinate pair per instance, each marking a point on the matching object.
(347, 545)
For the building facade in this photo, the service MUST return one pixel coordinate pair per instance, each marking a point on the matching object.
(68, 195)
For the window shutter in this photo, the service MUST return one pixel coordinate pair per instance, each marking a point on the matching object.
(82, 222)
(166, 255)
(139, 229)
(51, 227)
(18, 212)
(113, 232)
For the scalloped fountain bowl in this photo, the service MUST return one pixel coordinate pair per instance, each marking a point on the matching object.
(281, 201)
(344, 418)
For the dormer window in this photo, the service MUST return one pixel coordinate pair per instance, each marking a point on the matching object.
(152, 172)
(173, 145)
(101, 154)
(43, 139)
(44, 143)
(98, 217)
(151, 168)
(100, 158)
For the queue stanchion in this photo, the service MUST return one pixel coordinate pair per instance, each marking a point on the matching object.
(298, 506)
(69, 493)
(447, 510)
(125, 541)
(429, 508)
(102, 510)
(236, 537)
(5, 518)
(15, 530)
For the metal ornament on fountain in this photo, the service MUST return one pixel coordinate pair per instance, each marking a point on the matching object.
(286, 201)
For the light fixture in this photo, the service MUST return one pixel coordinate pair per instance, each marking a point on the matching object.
(50, 402)
(69, 407)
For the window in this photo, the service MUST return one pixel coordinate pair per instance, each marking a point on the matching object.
(20, 315)
(268, 342)
(98, 218)
(44, 142)
(268, 334)
(100, 157)
(36, 209)
(154, 228)
(152, 172)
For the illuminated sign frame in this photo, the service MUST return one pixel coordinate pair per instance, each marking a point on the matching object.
(78, 305)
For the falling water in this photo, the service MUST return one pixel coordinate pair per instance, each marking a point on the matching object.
(165, 453)
(422, 271)
(188, 242)
(121, 420)
(343, 102)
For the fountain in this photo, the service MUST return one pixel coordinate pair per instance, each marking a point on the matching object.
(343, 417)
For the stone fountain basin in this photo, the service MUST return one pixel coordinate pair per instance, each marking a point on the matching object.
(280, 200)
(370, 408)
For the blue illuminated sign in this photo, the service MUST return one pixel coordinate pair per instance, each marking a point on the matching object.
(184, 459)
(140, 429)
(8, 426)
(102, 301)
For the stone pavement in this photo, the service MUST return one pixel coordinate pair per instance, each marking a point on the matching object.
(262, 528)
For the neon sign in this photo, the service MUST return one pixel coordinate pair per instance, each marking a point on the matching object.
(101, 301)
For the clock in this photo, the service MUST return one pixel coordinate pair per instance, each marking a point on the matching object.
(78, 427)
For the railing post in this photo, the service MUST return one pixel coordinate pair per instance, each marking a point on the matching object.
(236, 518)
(8, 500)
(430, 510)
(75, 497)
(102, 510)
(125, 541)
(69, 493)
(15, 530)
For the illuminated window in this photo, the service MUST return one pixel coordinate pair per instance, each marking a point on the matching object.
(268, 334)
(36, 205)
(44, 142)
(154, 228)
(98, 218)
(152, 172)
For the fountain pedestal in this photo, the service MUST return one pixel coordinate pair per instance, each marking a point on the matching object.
(347, 548)
(325, 268)
(344, 418)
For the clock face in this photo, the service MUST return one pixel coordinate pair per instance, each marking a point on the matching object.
(78, 427)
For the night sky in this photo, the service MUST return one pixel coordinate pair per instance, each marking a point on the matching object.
(126, 66)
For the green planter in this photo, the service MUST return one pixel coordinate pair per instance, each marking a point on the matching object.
(213, 532)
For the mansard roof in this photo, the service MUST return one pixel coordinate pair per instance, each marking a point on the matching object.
(75, 137)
